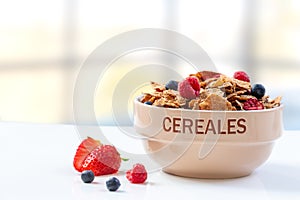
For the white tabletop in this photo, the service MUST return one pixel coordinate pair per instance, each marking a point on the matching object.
(36, 163)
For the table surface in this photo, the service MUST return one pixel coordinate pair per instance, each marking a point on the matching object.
(36, 163)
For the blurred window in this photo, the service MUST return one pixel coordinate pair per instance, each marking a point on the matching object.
(44, 43)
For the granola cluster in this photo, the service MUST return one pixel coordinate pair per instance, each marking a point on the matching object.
(162, 97)
(217, 92)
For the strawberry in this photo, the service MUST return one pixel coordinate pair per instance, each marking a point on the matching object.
(83, 150)
(101, 159)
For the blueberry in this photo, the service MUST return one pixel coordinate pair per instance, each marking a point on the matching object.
(87, 176)
(148, 102)
(113, 184)
(172, 85)
(258, 90)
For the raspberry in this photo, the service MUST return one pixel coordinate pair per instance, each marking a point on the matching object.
(189, 88)
(194, 82)
(242, 76)
(253, 104)
(137, 174)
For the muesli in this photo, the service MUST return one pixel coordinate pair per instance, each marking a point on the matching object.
(208, 90)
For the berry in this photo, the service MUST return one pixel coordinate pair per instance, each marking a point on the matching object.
(83, 150)
(242, 76)
(194, 82)
(253, 104)
(189, 88)
(101, 159)
(113, 184)
(87, 176)
(258, 91)
(172, 85)
(137, 174)
(148, 103)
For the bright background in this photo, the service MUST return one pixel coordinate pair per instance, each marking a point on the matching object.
(44, 43)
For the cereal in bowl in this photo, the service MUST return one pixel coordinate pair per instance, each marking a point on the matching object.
(208, 90)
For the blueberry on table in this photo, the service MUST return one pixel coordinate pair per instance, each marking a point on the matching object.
(113, 184)
(258, 91)
(87, 176)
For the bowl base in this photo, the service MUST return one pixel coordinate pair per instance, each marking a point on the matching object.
(206, 175)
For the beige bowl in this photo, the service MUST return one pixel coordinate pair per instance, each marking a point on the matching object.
(208, 144)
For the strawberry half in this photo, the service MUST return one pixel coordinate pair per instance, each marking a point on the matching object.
(83, 150)
(103, 160)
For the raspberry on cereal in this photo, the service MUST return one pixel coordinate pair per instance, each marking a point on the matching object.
(189, 88)
(242, 76)
(253, 104)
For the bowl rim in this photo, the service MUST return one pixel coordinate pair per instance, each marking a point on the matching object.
(137, 101)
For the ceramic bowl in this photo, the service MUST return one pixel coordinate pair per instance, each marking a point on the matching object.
(208, 144)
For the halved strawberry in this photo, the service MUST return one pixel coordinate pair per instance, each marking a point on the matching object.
(83, 150)
(103, 160)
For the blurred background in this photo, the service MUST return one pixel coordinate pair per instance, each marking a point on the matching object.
(44, 43)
